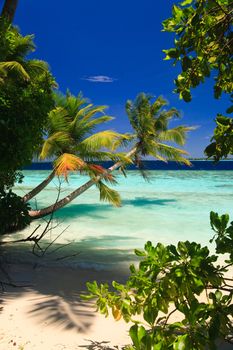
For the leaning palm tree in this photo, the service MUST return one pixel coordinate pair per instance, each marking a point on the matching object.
(72, 143)
(151, 137)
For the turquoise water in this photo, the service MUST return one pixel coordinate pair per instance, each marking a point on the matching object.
(173, 206)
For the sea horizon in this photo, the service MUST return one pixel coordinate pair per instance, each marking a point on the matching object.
(197, 164)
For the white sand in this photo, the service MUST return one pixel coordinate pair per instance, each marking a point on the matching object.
(49, 315)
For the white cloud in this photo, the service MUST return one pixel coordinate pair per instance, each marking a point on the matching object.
(99, 79)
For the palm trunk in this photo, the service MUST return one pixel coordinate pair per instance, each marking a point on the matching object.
(9, 8)
(37, 214)
(39, 188)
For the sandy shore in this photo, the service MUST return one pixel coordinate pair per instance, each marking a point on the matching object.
(49, 314)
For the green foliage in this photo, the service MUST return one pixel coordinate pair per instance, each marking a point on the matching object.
(25, 98)
(222, 141)
(76, 146)
(150, 122)
(14, 212)
(169, 280)
(203, 44)
(223, 234)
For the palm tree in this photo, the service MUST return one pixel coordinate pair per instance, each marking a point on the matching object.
(150, 121)
(71, 141)
(151, 137)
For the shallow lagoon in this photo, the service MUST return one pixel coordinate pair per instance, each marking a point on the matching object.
(172, 206)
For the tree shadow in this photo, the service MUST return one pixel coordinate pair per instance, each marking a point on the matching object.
(64, 311)
(54, 295)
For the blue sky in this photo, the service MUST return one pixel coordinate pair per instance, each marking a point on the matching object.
(112, 50)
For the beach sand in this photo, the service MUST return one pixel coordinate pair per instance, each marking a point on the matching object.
(49, 314)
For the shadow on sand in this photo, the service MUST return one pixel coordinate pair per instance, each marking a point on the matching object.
(53, 294)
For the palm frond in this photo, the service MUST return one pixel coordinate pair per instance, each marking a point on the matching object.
(173, 153)
(23, 45)
(123, 140)
(108, 195)
(89, 111)
(177, 134)
(55, 144)
(158, 104)
(68, 162)
(141, 167)
(57, 119)
(35, 67)
(15, 67)
(94, 122)
(162, 119)
(102, 139)
(73, 104)
(96, 170)
(80, 128)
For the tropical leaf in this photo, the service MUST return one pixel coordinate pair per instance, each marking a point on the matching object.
(73, 104)
(100, 172)
(158, 104)
(123, 140)
(102, 139)
(15, 67)
(68, 162)
(108, 195)
(172, 153)
(177, 135)
(81, 129)
(35, 67)
(55, 144)
(58, 120)
(23, 45)
(94, 122)
(93, 111)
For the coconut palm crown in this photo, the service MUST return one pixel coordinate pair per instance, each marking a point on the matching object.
(153, 137)
(73, 142)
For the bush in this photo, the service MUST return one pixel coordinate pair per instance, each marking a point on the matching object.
(13, 212)
(171, 279)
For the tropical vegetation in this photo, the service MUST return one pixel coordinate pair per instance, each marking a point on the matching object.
(169, 282)
(26, 97)
(203, 47)
(170, 279)
(69, 125)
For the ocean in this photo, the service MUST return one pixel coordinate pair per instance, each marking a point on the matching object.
(174, 205)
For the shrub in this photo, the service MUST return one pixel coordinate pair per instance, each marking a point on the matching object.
(14, 212)
(171, 279)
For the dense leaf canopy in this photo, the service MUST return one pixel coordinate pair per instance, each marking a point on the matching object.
(204, 48)
(26, 96)
(203, 44)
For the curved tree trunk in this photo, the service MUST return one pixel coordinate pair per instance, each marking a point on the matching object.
(39, 188)
(9, 8)
(36, 214)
